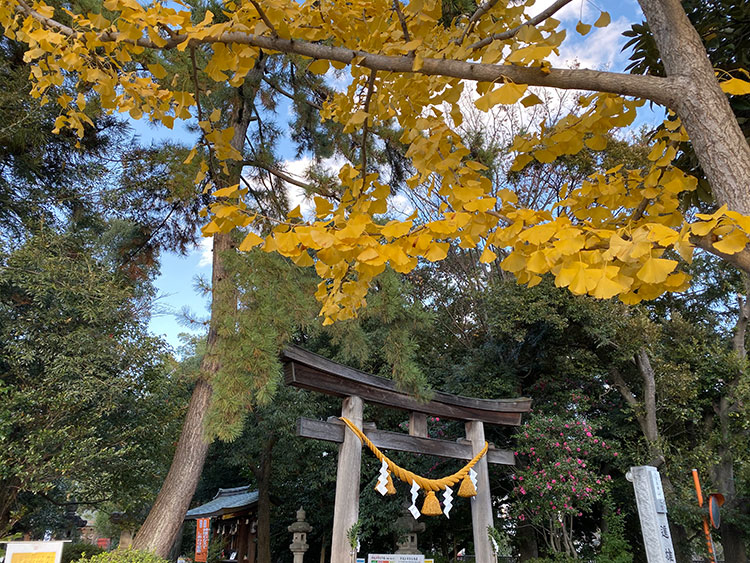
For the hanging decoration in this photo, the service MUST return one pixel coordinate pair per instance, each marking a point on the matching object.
(447, 501)
(431, 505)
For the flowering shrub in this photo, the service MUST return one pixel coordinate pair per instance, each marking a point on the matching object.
(557, 475)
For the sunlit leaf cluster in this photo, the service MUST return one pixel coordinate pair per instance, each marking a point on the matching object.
(619, 233)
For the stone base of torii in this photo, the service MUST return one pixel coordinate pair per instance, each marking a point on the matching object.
(310, 371)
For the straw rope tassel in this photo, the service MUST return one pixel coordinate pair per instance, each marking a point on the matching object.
(427, 485)
(467, 488)
(391, 489)
(431, 506)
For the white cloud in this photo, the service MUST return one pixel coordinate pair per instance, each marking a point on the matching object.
(570, 12)
(205, 247)
(600, 49)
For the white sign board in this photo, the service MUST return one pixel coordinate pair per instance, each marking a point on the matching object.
(34, 552)
(652, 510)
(394, 558)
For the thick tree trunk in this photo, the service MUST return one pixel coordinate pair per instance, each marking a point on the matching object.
(527, 544)
(646, 416)
(722, 474)
(703, 108)
(8, 493)
(160, 529)
(263, 476)
(163, 523)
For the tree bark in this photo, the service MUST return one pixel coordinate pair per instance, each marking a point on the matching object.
(527, 544)
(263, 476)
(703, 108)
(163, 523)
(160, 529)
(647, 420)
(732, 536)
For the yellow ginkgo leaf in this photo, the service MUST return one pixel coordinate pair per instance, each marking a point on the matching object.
(736, 87)
(656, 270)
(732, 243)
(395, 229)
(487, 256)
(583, 28)
(531, 100)
(607, 288)
(437, 251)
(604, 20)
(318, 67)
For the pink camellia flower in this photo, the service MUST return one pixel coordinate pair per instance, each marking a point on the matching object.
(615, 454)
(520, 478)
(554, 481)
(522, 490)
(588, 434)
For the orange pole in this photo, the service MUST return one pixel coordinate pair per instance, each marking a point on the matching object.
(706, 529)
(697, 483)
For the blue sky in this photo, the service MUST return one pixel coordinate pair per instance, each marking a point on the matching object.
(176, 285)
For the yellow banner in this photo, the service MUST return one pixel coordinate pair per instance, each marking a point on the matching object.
(39, 557)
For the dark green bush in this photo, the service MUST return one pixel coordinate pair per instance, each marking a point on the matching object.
(124, 556)
(78, 550)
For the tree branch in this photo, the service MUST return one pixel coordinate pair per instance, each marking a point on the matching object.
(480, 11)
(366, 126)
(289, 95)
(264, 17)
(661, 90)
(539, 18)
(740, 260)
(279, 174)
(402, 20)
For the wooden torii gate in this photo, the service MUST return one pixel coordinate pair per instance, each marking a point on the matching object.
(310, 371)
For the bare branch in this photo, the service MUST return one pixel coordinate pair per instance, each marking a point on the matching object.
(662, 90)
(539, 18)
(366, 126)
(279, 174)
(402, 20)
(623, 388)
(740, 260)
(482, 9)
(264, 17)
(289, 95)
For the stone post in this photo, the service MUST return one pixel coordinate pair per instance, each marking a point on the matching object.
(299, 531)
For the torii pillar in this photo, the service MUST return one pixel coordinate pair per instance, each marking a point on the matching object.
(481, 504)
(346, 505)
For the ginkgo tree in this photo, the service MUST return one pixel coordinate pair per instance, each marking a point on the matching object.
(619, 233)
(607, 237)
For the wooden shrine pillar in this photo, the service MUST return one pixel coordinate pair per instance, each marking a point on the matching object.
(481, 505)
(346, 506)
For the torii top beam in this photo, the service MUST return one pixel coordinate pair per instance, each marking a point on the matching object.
(310, 371)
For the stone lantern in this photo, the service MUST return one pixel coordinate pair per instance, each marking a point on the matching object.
(411, 527)
(299, 530)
